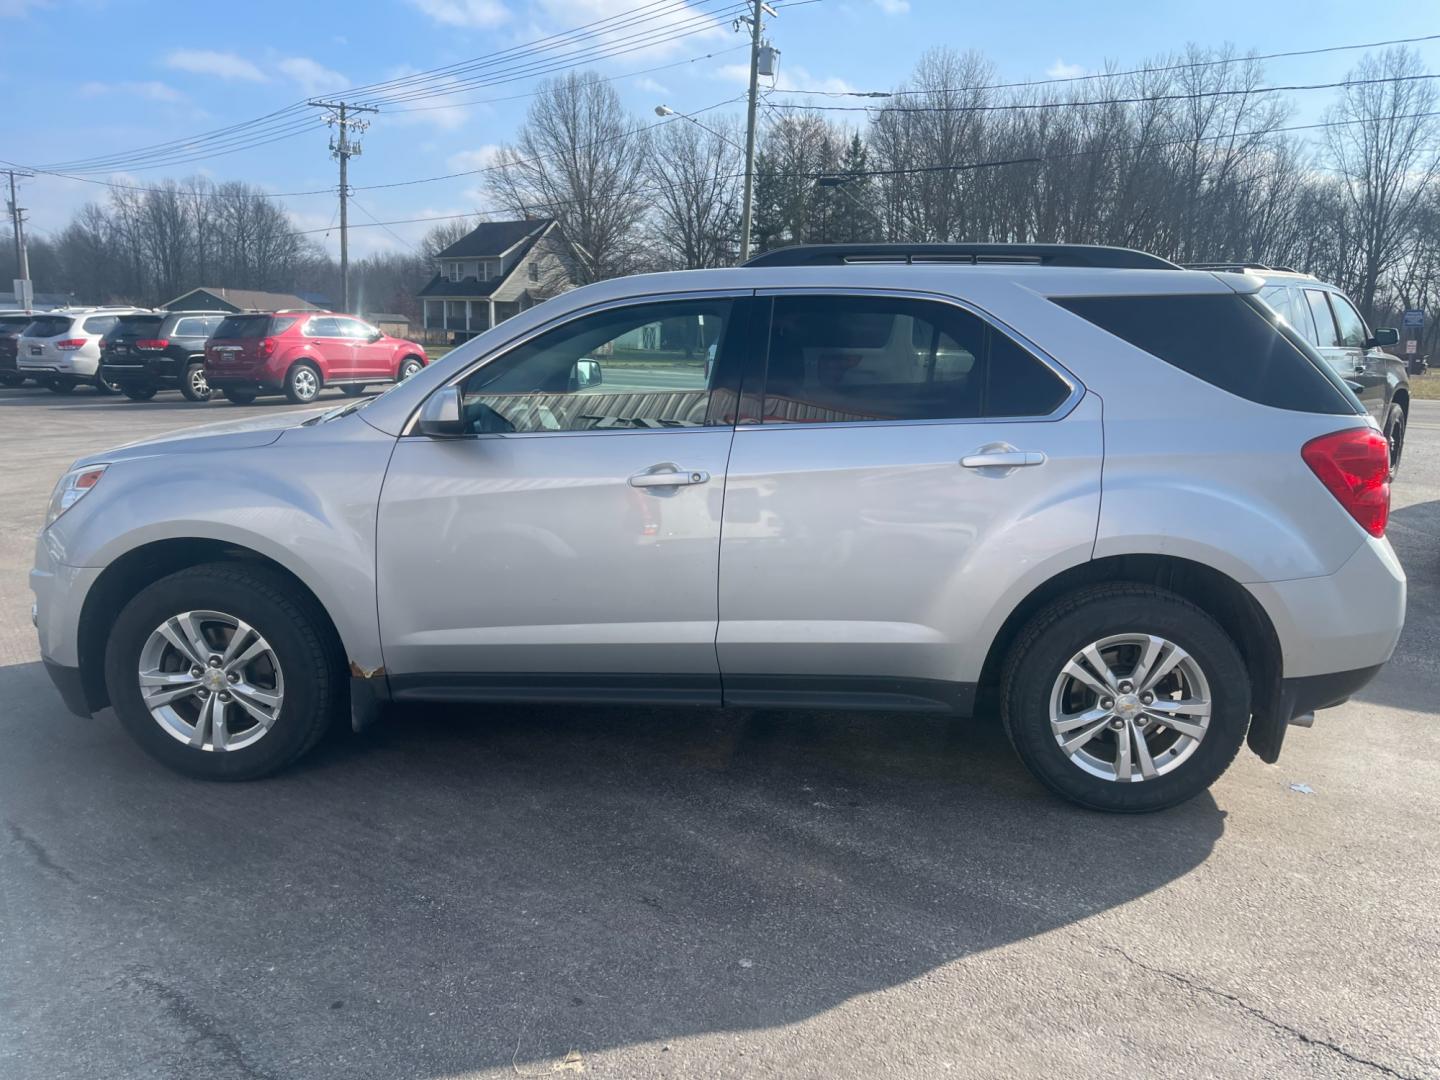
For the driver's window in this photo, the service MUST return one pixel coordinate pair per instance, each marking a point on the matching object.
(624, 369)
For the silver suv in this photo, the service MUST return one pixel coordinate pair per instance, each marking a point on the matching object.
(61, 349)
(1122, 501)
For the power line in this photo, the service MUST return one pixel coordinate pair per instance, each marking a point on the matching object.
(377, 221)
(1188, 66)
(1031, 105)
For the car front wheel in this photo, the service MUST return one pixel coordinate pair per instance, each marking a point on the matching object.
(1125, 697)
(408, 367)
(1395, 436)
(222, 672)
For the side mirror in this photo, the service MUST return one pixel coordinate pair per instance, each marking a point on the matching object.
(441, 417)
(1383, 338)
(376, 335)
(585, 374)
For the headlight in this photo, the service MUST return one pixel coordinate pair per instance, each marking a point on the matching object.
(73, 487)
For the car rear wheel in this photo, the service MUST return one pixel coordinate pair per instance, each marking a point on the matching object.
(193, 386)
(302, 384)
(60, 386)
(352, 389)
(138, 393)
(221, 672)
(1395, 436)
(240, 397)
(408, 367)
(106, 386)
(9, 378)
(1125, 698)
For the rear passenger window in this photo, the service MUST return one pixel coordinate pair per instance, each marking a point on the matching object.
(841, 359)
(1325, 335)
(189, 328)
(1229, 341)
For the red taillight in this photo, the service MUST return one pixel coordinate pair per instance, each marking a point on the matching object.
(267, 347)
(1355, 466)
(153, 343)
(70, 343)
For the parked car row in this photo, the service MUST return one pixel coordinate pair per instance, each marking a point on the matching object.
(139, 352)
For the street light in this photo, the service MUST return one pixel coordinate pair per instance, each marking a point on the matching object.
(666, 110)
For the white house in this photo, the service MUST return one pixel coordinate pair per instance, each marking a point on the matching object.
(493, 272)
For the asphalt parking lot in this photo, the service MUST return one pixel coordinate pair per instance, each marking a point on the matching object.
(640, 893)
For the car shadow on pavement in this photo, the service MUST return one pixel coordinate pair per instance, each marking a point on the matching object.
(459, 888)
(1414, 532)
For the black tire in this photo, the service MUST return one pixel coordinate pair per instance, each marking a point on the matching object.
(352, 389)
(298, 388)
(240, 397)
(60, 386)
(192, 384)
(408, 367)
(138, 393)
(1395, 436)
(9, 378)
(105, 386)
(314, 688)
(1060, 631)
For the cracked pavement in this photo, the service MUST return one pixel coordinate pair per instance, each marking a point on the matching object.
(661, 893)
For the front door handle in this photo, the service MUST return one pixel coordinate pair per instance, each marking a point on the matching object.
(1002, 459)
(668, 475)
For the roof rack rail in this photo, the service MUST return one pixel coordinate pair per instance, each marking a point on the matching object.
(1091, 255)
(1239, 266)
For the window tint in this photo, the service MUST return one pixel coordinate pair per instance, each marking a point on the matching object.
(1353, 334)
(1227, 340)
(212, 323)
(325, 326)
(857, 358)
(101, 324)
(191, 327)
(138, 325)
(48, 326)
(1325, 335)
(624, 369)
(244, 326)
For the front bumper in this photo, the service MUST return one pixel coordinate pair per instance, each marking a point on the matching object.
(71, 686)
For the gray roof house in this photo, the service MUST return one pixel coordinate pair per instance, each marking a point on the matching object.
(233, 300)
(498, 269)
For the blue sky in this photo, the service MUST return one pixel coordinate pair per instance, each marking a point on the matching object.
(90, 77)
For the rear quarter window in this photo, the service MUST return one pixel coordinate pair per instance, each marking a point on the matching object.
(244, 326)
(1230, 341)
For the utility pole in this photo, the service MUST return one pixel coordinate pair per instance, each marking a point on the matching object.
(24, 293)
(756, 22)
(341, 116)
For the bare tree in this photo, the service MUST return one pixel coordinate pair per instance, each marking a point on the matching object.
(1386, 156)
(697, 207)
(582, 160)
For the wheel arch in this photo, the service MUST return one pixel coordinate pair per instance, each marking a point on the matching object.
(1220, 596)
(126, 575)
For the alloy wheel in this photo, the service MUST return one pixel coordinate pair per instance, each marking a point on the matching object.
(305, 383)
(1130, 707)
(211, 681)
(198, 386)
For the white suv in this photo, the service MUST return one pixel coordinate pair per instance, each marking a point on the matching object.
(1124, 501)
(61, 349)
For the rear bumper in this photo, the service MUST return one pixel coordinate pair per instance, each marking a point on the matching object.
(149, 372)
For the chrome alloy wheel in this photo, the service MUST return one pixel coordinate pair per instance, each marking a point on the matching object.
(1130, 707)
(305, 383)
(198, 386)
(211, 681)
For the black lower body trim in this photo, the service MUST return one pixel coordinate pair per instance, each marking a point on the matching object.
(1296, 697)
(71, 686)
(740, 691)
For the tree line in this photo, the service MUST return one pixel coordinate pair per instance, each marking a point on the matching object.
(1192, 158)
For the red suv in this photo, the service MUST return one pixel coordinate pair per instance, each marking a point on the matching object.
(296, 353)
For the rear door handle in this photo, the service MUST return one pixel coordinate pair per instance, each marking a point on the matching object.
(1003, 459)
(668, 475)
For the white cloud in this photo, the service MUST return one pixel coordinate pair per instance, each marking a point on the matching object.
(222, 65)
(650, 86)
(18, 9)
(150, 90)
(1061, 70)
(472, 14)
(436, 113)
(482, 157)
(894, 7)
(312, 76)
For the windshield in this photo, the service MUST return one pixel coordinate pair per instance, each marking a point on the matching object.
(244, 326)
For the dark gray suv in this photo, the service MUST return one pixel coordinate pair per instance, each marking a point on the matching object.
(159, 350)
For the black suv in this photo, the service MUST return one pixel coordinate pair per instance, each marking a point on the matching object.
(159, 350)
(12, 325)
